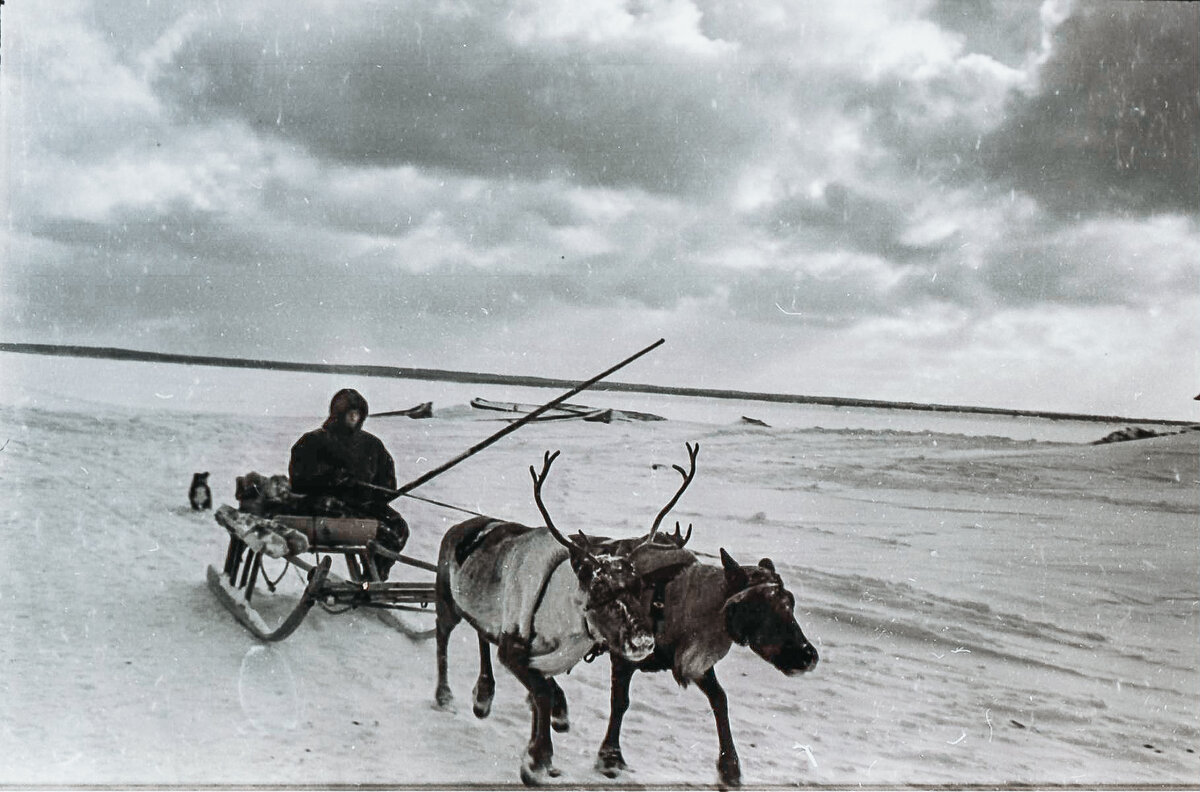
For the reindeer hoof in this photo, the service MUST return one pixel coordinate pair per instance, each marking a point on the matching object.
(730, 770)
(610, 763)
(482, 698)
(535, 774)
(444, 700)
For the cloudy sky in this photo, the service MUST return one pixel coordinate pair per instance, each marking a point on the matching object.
(971, 202)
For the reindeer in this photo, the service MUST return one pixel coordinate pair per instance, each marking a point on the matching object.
(514, 585)
(699, 611)
(704, 610)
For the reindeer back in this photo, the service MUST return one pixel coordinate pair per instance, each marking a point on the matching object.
(500, 582)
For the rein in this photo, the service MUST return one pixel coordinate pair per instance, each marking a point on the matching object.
(444, 505)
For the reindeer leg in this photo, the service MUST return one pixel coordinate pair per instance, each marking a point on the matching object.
(609, 761)
(728, 765)
(559, 720)
(485, 686)
(537, 764)
(447, 620)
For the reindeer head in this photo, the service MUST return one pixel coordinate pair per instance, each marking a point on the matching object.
(609, 582)
(759, 614)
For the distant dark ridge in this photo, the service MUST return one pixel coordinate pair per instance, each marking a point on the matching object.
(443, 375)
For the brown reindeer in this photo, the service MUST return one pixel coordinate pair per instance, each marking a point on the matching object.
(546, 602)
(699, 611)
(703, 611)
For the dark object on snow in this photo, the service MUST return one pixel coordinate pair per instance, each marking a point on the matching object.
(422, 410)
(1128, 433)
(565, 410)
(199, 495)
(599, 416)
(754, 422)
(595, 416)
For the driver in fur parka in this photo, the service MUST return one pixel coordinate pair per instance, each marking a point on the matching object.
(330, 465)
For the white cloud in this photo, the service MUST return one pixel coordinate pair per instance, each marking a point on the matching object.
(216, 169)
(639, 29)
(1101, 360)
(71, 94)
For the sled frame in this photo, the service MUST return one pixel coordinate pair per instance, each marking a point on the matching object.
(236, 583)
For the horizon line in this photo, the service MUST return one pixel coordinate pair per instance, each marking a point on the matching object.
(483, 378)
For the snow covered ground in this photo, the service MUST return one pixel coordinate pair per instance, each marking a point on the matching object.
(989, 608)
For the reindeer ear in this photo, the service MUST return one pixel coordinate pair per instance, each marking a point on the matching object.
(735, 578)
(767, 564)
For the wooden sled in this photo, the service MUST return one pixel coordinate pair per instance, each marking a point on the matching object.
(310, 544)
(595, 416)
(566, 411)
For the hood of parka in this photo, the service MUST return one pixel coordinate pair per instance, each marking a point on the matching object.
(343, 402)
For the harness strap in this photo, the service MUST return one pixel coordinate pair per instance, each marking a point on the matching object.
(471, 542)
(597, 649)
(738, 596)
(537, 602)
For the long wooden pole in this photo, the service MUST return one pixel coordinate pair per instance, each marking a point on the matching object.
(512, 427)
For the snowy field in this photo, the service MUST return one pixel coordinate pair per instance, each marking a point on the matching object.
(995, 602)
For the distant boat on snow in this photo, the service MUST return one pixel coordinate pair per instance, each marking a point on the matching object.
(567, 411)
(422, 410)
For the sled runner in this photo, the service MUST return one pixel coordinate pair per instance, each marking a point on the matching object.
(310, 544)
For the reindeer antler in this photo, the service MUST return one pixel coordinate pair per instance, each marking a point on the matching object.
(679, 538)
(688, 475)
(538, 480)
